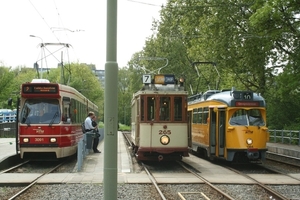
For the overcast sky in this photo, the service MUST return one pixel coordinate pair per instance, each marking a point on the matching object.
(81, 23)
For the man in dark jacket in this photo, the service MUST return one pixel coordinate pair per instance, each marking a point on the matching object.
(97, 135)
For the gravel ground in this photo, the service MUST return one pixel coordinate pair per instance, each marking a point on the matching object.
(146, 191)
(82, 191)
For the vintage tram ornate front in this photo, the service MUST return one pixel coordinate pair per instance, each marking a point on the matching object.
(159, 120)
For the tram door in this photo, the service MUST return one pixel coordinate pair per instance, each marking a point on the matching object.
(221, 131)
(217, 131)
(212, 131)
(190, 129)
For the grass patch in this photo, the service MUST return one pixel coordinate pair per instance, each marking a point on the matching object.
(121, 127)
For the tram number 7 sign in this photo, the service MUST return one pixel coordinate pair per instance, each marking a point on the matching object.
(147, 79)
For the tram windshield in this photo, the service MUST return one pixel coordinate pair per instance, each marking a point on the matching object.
(163, 108)
(40, 111)
(243, 117)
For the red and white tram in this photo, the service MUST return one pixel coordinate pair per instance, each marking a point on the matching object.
(50, 119)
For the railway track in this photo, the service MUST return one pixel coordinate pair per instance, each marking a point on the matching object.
(284, 159)
(14, 167)
(154, 182)
(224, 190)
(192, 171)
(272, 193)
(172, 190)
(218, 188)
(33, 182)
(262, 190)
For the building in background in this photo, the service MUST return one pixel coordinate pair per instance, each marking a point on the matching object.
(99, 73)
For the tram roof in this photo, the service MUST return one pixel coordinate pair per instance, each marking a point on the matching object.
(225, 96)
(169, 92)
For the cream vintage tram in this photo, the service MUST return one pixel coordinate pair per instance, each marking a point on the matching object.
(159, 119)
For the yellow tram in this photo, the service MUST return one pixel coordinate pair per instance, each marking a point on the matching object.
(230, 125)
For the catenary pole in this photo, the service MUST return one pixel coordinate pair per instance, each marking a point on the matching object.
(111, 105)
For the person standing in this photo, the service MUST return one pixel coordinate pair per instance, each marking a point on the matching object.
(88, 122)
(97, 135)
(88, 125)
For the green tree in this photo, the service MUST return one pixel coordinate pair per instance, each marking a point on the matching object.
(80, 77)
(278, 21)
(6, 80)
(249, 40)
(124, 97)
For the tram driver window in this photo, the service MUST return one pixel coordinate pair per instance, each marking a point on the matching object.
(255, 118)
(164, 110)
(239, 117)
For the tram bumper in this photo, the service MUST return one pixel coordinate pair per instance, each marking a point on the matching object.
(252, 154)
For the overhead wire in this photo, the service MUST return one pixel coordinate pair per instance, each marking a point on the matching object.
(67, 51)
(43, 20)
(149, 4)
(52, 31)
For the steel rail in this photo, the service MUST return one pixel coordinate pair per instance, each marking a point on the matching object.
(272, 192)
(284, 156)
(14, 167)
(154, 182)
(206, 181)
(35, 181)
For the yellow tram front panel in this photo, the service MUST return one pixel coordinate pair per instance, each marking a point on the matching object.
(239, 136)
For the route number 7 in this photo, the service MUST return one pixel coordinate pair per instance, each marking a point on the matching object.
(147, 78)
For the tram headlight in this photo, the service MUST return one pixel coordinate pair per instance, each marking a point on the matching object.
(181, 81)
(249, 141)
(26, 140)
(164, 139)
(52, 140)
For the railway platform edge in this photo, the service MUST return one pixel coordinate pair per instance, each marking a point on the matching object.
(92, 171)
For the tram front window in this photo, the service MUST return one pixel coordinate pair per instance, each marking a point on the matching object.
(40, 111)
(243, 117)
(255, 118)
(164, 110)
(150, 108)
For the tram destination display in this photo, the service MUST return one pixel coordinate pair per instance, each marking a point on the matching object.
(33, 89)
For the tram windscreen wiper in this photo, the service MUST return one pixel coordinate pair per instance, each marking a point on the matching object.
(52, 120)
(28, 121)
(235, 123)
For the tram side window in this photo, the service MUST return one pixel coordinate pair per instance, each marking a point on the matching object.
(200, 112)
(178, 108)
(205, 115)
(142, 114)
(195, 115)
(164, 110)
(150, 108)
(66, 110)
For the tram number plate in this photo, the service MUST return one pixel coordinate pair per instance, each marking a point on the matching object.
(164, 132)
(38, 139)
(147, 78)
